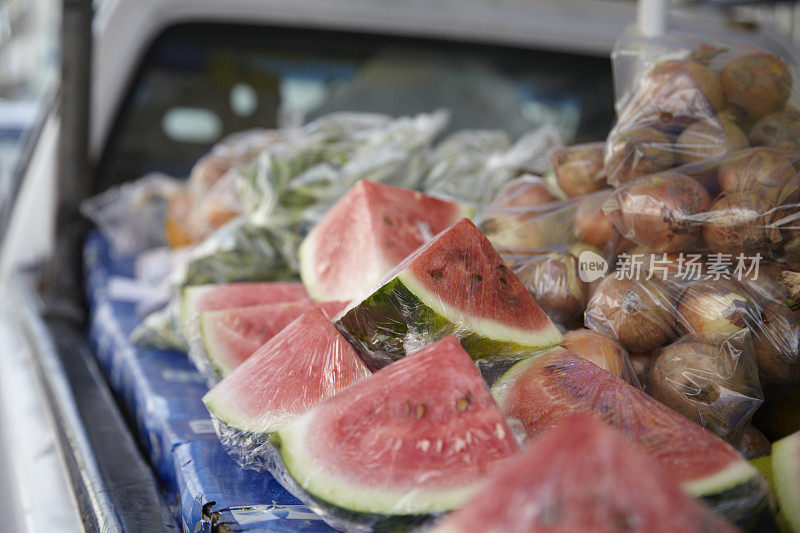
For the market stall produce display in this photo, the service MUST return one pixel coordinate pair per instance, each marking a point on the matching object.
(646, 284)
(455, 284)
(538, 394)
(305, 364)
(582, 476)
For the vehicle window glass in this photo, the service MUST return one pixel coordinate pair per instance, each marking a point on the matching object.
(200, 82)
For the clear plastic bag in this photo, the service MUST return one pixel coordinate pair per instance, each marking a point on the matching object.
(653, 299)
(132, 215)
(682, 99)
(472, 166)
(579, 169)
(558, 249)
(209, 198)
(412, 441)
(711, 379)
(744, 205)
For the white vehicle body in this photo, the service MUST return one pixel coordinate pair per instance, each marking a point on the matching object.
(123, 31)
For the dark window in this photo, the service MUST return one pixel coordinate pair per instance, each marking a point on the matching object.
(200, 82)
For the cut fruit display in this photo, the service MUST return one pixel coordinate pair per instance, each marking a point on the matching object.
(198, 298)
(455, 284)
(306, 363)
(537, 394)
(418, 437)
(367, 233)
(786, 477)
(230, 336)
(582, 476)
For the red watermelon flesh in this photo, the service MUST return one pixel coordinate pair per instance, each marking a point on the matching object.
(417, 437)
(307, 362)
(213, 297)
(582, 477)
(365, 234)
(463, 269)
(455, 284)
(230, 336)
(540, 393)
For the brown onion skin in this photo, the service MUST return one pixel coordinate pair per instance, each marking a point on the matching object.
(676, 93)
(709, 138)
(638, 313)
(752, 443)
(761, 171)
(636, 151)
(579, 169)
(776, 340)
(524, 192)
(780, 131)
(594, 227)
(641, 364)
(688, 378)
(756, 84)
(738, 223)
(716, 307)
(661, 211)
(600, 349)
(764, 287)
(553, 281)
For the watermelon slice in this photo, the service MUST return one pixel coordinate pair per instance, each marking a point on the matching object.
(198, 298)
(365, 234)
(537, 394)
(231, 335)
(455, 284)
(786, 477)
(418, 437)
(307, 362)
(582, 476)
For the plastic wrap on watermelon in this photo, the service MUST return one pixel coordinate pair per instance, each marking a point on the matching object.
(743, 206)
(132, 215)
(457, 284)
(472, 166)
(224, 323)
(582, 476)
(304, 364)
(682, 99)
(539, 393)
(414, 440)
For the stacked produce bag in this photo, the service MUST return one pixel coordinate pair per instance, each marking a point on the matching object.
(588, 354)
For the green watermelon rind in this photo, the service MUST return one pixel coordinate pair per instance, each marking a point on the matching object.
(188, 307)
(397, 306)
(352, 498)
(306, 264)
(213, 351)
(785, 453)
(246, 426)
(481, 327)
(716, 486)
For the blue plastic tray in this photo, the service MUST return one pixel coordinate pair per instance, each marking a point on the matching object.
(162, 392)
